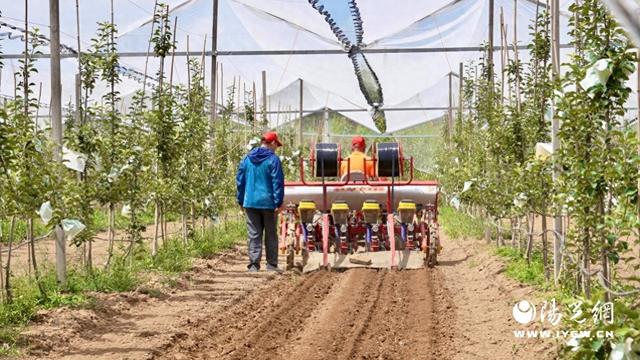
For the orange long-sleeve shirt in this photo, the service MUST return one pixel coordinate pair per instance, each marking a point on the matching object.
(357, 164)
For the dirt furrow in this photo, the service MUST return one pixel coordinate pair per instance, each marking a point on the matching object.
(402, 325)
(332, 328)
(259, 325)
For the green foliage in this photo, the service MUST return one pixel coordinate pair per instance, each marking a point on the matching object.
(161, 38)
(519, 269)
(625, 327)
(599, 179)
(216, 240)
(172, 257)
(121, 276)
(28, 300)
(458, 225)
(492, 144)
(489, 162)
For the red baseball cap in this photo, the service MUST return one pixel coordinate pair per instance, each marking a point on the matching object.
(358, 141)
(271, 136)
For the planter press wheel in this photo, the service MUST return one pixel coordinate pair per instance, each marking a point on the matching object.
(290, 257)
(432, 254)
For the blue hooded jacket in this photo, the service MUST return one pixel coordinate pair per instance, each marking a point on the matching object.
(260, 180)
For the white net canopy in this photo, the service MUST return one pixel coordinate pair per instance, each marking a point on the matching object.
(411, 46)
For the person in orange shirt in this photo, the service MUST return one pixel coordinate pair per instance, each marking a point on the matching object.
(356, 159)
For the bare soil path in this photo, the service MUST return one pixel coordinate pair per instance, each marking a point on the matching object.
(459, 310)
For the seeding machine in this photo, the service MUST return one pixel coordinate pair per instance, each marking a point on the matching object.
(381, 220)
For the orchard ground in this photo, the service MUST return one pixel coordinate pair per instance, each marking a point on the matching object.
(459, 310)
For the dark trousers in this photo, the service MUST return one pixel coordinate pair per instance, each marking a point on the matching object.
(261, 224)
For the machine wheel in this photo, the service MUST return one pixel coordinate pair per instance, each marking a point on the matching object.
(290, 256)
(432, 259)
(432, 255)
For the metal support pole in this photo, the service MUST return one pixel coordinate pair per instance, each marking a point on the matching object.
(214, 64)
(301, 112)
(56, 125)
(555, 128)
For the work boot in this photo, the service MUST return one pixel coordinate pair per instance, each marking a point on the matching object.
(253, 268)
(273, 268)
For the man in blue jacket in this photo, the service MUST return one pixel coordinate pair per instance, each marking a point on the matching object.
(260, 183)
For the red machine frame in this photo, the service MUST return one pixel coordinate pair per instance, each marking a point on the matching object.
(427, 219)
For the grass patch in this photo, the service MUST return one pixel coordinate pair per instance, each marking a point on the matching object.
(123, 275)
(27, 299)
(458, 225)
(518, 268)
(173, 257)
(218, 239)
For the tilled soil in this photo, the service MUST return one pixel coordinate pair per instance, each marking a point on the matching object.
(361, 313)
(459, 310)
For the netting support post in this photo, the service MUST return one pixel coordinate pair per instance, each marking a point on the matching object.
(214, 66)
(301, 113)
(56, 125)
(555, 141)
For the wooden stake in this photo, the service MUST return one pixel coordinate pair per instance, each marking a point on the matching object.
(188, 70)
(38, 108)
(502, 56)
(460, 92)
(555, 128)
(638, 120)
(79, 76)
(301, 114)
(221, 84)
(450, 109)
(214, 61)
(490, 50)
(173, 54)
(146, 60)
(515, 52)
(25, 74)
(204, 49)
(255, 110)
(264, 100)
